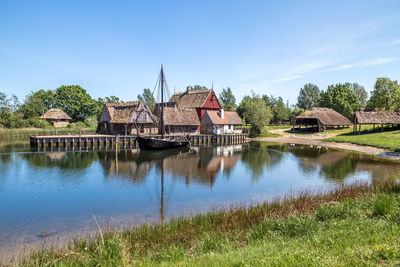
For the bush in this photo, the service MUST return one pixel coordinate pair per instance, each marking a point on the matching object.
(37, 123)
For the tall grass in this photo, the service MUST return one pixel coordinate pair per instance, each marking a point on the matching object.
(183, 240)
(26, 132)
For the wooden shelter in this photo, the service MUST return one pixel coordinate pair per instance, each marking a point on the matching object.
(220, 122)
(201, 100)
(320, 119)
(127, 118)
(379, 117)
(179, 120)
(56, 117)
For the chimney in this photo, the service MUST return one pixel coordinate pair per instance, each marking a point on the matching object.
(188, 89)
(221, 113)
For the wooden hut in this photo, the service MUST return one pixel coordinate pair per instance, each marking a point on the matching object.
(127, 118)
(220, 122)
(56, 117)
(320, 119)
(179, 120)
(201, 100)
(379, 117)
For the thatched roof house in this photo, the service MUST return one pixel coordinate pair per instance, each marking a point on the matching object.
(376, 117)
(220, 121)
(201, 100)
(179, 120)
(56, 117)
(321, 119)
(127, 118)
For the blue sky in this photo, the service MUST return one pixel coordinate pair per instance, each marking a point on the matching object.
(270, 47)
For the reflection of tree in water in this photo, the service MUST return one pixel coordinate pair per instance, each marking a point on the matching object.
(62, 160)
(380, 169)
(258, 157)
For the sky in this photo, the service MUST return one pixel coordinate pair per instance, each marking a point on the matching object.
(265, 47)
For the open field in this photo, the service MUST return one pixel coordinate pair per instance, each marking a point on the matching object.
(356, 224)
(388, 140)
(26, 132)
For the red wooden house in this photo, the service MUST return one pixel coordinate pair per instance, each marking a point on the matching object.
(201, 100)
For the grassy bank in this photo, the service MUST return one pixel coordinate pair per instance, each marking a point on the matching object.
(388, 140)
(26, 132)
(354, 225)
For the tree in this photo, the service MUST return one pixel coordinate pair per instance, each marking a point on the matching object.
(386, 95)
(5, 110)
(198, 87)
(75, 101)
(360, 92)
(255, 112)
(342, 99)
(228, 100)
(147, 98)
(280, 112)
(37, 103)
(309, 96)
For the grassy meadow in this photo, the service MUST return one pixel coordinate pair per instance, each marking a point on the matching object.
(389, 140)
(356, 224)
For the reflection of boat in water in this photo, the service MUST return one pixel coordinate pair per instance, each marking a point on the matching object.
(151, 143)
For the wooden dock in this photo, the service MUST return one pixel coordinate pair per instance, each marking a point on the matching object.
(98, 140)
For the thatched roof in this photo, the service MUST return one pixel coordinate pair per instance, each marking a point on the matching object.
(174, 116)
(230, 117)
(370, 117)
(191, 98)
(324, 116)
(127, 112)
(55, 114)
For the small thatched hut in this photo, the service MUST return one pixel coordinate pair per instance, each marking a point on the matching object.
(179, 120)
(320, 119)
(127, 118)
(375, 117)
(220, 122)
(56, 117)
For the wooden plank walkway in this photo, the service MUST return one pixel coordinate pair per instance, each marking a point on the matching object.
(112, 140)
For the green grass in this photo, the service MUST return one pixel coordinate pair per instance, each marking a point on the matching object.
(356, 225)
(276, 127)
(268, 134)
(388, 140)
(26, 132)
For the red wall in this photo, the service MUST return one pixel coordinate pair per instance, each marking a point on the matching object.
(211, 103)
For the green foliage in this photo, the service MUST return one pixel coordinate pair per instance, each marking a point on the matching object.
(309, 96)
(383, 205)
(340, 98)
(147, 98)
(75, 101)
(198, 87)
(386, 95)
(101, 102)
(228, 100)
(254, 110)
(37, 103)
(37, 123)
(360, 92)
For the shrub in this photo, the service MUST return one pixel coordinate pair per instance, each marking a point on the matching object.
(37, 123)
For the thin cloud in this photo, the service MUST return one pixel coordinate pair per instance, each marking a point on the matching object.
(394, 42)
(364, 63)
(288, 78)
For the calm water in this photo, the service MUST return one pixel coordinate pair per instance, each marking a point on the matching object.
(58, 192)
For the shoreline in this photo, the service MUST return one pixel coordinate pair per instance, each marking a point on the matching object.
(371, 150)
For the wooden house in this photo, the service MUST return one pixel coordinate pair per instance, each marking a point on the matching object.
(56, 117)
(200, 100)
(374, 117)
(320, 119)
(178, 120)
(127, 118)
(220, 122)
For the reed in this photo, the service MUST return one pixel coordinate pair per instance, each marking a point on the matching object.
(224, 237)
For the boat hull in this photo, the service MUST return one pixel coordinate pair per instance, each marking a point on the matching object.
(150, 143)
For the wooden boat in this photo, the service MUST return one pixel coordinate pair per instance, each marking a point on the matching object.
(152, 143)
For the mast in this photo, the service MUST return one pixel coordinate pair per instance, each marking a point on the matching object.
(162, 102)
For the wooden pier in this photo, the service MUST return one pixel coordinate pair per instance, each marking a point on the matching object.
(98, 140)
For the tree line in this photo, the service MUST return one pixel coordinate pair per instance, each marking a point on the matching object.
(256, 110)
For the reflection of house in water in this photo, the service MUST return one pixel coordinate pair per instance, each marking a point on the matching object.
(125, 164)
(202, 165)
(56, 155)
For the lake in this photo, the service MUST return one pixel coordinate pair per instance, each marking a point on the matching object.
(58, 192)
